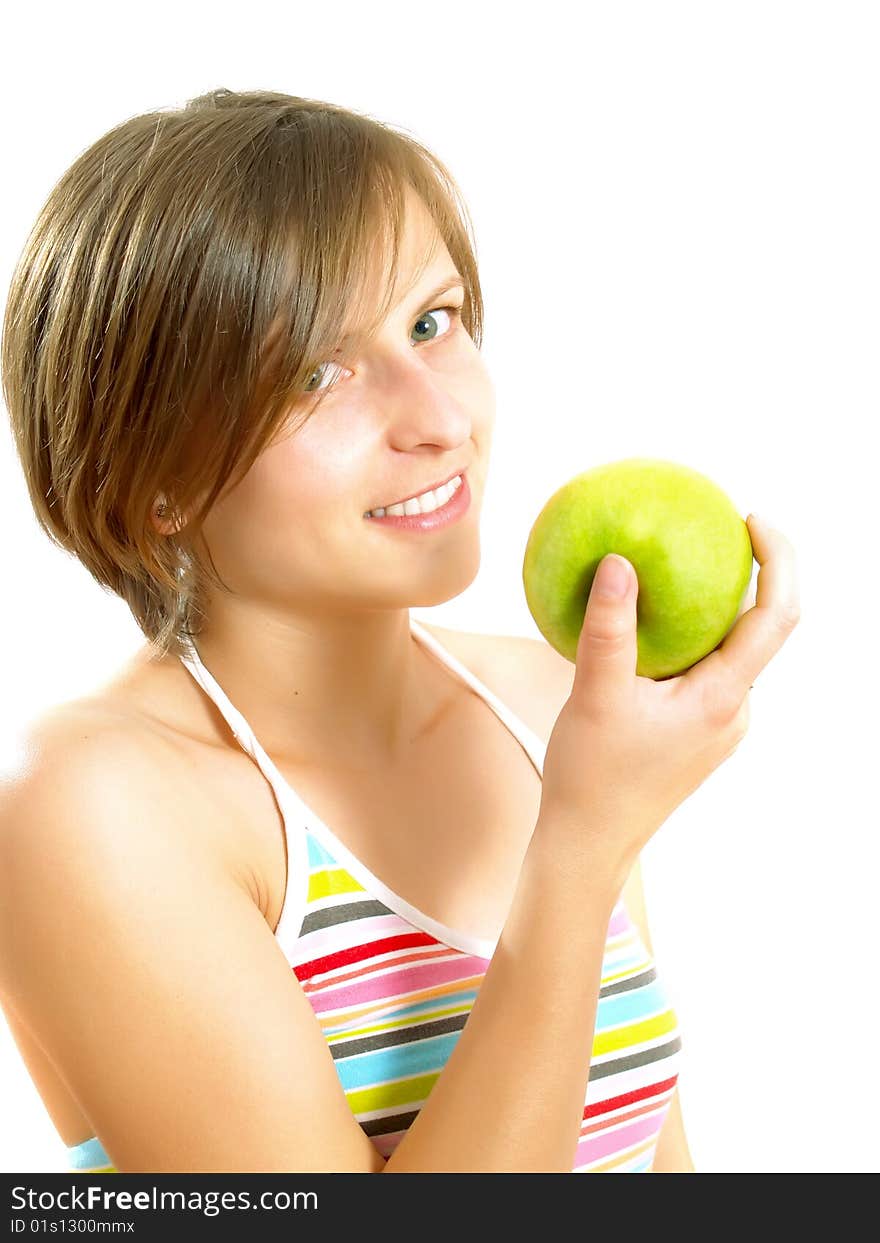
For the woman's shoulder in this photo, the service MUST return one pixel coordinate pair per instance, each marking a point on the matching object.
(65, 755)
(40, 747)
(81, 756)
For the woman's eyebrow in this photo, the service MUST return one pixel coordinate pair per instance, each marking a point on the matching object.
(454, 278)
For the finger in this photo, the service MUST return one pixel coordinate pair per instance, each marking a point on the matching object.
(761, 631)
(607, 650)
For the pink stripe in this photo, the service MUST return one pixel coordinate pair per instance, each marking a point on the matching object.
(619, 921)
(388, 1142)
(406, 980)
(598, 1146)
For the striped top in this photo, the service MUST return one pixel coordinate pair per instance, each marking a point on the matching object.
(392, 988)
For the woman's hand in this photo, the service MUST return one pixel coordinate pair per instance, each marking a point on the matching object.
(627, 750)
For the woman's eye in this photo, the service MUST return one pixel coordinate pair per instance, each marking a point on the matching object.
(454, 313)
(316, 372)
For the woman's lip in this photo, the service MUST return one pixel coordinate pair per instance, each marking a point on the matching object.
(454, 509)
(432, 487)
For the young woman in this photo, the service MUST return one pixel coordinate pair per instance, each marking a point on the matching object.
(309, 885)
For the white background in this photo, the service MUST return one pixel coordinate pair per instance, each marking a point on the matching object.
(677, 211)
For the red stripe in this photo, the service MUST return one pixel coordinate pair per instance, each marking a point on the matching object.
(628, 1098)
(618, 1119)
(357, 953)
(313, 987)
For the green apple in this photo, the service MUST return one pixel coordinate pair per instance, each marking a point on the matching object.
(689, 547)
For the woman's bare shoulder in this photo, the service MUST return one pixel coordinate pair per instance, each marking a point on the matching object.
(75, 728)
(86, 751)
(35, 746)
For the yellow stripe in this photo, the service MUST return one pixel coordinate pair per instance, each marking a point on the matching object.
(332, 880)
(634, 1033)
(390, 1095)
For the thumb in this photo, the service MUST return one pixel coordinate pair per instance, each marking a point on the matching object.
(607, 650)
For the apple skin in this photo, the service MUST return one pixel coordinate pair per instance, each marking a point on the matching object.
(690, 549)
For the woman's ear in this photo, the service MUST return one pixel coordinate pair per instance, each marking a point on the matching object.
(166, 519)
(162, 518)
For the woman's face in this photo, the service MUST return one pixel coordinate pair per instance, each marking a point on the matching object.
(417, 407)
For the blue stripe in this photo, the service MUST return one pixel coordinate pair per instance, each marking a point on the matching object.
(419, 1057)
(612, 964)
(318, 856)
(87, 1154)
(636, 1004)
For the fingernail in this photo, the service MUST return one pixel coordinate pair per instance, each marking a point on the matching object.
(612, 577)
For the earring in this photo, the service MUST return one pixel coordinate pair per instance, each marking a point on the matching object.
(161, 509)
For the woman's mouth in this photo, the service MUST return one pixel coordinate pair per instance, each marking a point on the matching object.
(428, 511)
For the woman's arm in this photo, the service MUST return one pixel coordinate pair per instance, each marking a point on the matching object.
(537, 680)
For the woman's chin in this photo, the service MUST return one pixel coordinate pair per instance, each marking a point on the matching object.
(449, 581)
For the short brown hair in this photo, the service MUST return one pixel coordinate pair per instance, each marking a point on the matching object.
(179, 287)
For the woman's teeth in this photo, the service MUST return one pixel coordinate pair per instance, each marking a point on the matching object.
(424, 504)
